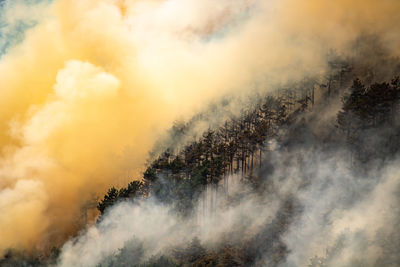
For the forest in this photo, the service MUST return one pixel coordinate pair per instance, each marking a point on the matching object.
(365, 125)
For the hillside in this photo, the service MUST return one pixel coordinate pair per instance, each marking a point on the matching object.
(276, 142)
(199, 133)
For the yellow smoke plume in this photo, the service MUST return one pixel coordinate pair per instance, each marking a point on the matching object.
(84, 96)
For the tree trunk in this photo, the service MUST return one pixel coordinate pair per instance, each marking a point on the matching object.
(252, 157)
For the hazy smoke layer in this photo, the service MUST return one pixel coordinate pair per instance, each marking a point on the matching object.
(344, 219)
(84, 95)
(159, 228)
(348, 221)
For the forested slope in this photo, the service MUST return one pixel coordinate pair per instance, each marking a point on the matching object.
(262, 181)
(365, 131)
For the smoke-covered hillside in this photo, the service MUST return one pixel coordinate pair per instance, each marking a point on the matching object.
(273, 187)
(199, 133)
(305, 176)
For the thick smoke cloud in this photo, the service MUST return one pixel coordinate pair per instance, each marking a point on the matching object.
(91, 86)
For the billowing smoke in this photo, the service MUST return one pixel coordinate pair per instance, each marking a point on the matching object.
(157, 228)
(90, 87)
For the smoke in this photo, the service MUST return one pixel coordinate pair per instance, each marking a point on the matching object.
(90, 87)
(150, 222)
(347, 219)
(157, 227)
(341, 219)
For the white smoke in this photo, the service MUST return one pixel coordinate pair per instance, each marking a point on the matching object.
(342, 214)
